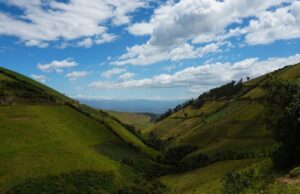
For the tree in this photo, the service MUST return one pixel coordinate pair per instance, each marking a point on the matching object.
(155, 142)
(282, 102)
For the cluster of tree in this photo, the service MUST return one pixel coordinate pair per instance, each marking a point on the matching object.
(155, 142)
(282, 103)
(226, 91)
(164, 115)
(253, 180)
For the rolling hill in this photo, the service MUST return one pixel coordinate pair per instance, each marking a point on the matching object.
(234, 123)
(53, 144)
(225, 128)
(227, 131)
(44, 133)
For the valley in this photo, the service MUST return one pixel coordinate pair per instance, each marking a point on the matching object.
(50, 141)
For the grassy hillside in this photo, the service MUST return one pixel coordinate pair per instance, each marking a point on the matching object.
(234, 124)
(49, 142)
(203, 180)
(223, 128)
(44, 133)
(141, 121)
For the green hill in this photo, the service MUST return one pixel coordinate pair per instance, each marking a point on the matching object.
(232, 124)
(44, 133)
(141, 121)
(222, 129)
(53, 144)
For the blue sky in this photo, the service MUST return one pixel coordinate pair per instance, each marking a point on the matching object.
(141, 49)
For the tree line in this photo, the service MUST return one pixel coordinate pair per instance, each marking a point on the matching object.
(225, 91)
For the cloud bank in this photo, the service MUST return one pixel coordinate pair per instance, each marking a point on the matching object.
(75, 22)
(203, 77)
(189, 29)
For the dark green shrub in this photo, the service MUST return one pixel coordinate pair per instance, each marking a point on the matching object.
(74, 182)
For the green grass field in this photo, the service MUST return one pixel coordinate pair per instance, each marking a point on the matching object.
(203, 180)
(140, 121)
(43, 133)
(120, 130)
(48, 140)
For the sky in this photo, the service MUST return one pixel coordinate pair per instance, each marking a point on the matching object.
(147, 49)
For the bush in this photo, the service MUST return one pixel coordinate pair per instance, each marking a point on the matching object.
(154, 142)
(282, 103)
(254, 179)
(74, 182)
(235, 182)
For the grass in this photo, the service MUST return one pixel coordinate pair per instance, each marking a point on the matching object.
(36, 141)
(177, 124)
(121, 131)
(204, 180)
(237, 127)
(12, 76)
(49, 139)
(44, 133)
(279, 188)
(140, 121)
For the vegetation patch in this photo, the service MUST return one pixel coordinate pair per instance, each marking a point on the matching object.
(254, 179)
(74, 182)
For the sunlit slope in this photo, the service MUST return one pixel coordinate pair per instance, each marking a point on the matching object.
(204, 180)
(120, 130)
(18, 89)
(230, 126)
(49, 140)
(234, 125)
(43, 133)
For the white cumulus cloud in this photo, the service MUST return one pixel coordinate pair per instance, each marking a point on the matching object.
(126, 76)
(281, 24)
(76, 74)
(57, 66)
(110, 73)
(203, 77)
(85, 22)
(188, 29)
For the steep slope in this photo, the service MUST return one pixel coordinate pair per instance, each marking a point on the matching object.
(44, 133)
(219, 125)
(223, 130)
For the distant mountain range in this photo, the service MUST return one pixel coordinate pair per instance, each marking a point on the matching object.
(139, 106)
